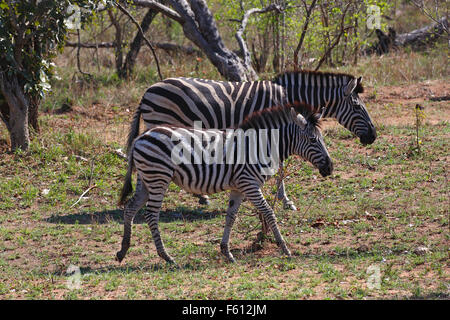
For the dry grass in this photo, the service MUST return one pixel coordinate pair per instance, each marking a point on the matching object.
(381, 204)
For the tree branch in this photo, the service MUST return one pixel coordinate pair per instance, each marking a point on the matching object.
(166, 46)
(338, 37)
(305, 28)
(436, 19)
(91, 45)
(78, 56)
(239, 34)
(160, 8)
(121, 8)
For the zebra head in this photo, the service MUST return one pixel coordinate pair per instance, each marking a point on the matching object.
(309, 142)
(353, 114)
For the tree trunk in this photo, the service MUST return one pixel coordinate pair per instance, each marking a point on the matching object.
(136, 45)
(200, 27)
(4, 110)
(417, 39)
(264, 51)
(18, 104)
(118, 51)
(33, 114)
(276, 45)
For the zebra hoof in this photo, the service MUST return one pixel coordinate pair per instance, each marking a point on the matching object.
(203, 201)
(287, 252)
(226, 252)
(173, 264)
(230, 258)
(261, 237)
(119, 256)
(290, 206)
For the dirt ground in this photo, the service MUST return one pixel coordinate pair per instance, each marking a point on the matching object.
(91, 239)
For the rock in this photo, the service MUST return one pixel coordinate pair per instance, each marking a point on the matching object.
(420, 251)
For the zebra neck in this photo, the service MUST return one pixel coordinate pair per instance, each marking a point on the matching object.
(314, 89)
(286, 141)
(279, 139)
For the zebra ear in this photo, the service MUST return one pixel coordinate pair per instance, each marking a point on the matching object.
(359, 80)
(300, 120)
(322, 113)
(350, 86)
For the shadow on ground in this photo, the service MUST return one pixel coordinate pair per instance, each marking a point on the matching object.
(108, 216)
(128, 269)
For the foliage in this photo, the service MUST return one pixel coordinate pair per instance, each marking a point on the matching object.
(31, 33)
(324, 26)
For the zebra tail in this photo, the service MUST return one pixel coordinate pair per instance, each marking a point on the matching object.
(134, 128)
(127, 185)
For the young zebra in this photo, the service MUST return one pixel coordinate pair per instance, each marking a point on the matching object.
(222, 105)
(157, 153)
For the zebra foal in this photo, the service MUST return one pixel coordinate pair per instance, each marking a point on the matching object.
(164, 154)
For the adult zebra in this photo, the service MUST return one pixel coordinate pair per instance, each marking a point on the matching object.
(158, 159)
(221, 105)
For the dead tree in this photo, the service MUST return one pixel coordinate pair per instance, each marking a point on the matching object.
(416, 39)
(423, 36)
(244, 52)
(200, 27)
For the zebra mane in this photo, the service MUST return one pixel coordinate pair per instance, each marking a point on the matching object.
(270, 117)
(359, 88)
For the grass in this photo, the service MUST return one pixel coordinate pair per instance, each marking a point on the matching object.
(382, 203)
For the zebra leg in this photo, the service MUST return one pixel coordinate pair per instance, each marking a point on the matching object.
(152, 216)
(132, 207)
(234, 203)
(281, 195)
(257, 199)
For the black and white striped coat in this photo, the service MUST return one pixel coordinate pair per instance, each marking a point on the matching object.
(221, 105)
(156, 156)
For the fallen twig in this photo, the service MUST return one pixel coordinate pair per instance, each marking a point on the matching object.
(120, 153)
(83, 194)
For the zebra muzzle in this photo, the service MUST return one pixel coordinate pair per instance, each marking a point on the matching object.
(326, 167)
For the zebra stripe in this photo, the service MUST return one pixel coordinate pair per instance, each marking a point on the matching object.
(152, 155)
(218, 104)
(338, 93)
(221, 105)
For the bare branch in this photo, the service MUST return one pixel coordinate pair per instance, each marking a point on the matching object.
(239, 34)
(121, 8)
(83, 194)
(91, 45)
(166, 46)
(337, 38)
(421, 6)
(78, 56)
(305, 28)
(160, 8)
(200, 27)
